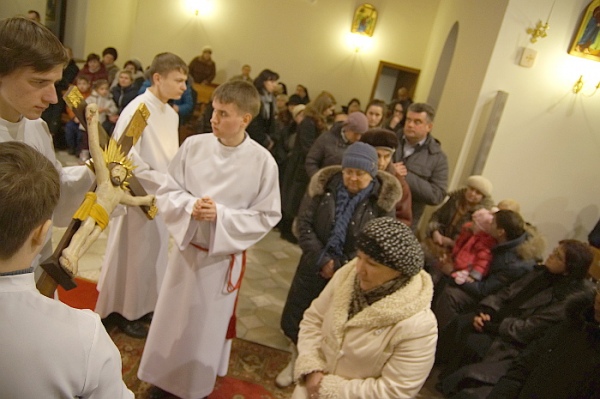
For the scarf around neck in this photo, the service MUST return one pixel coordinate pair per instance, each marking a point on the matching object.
(345, 205)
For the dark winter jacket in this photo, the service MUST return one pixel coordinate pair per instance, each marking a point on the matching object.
(427, 174)
(295, 177)
(327, 150)
(564, 363)
(123, 95)
(315, 221)
(261, 129)
(507, 265)
(527, 321)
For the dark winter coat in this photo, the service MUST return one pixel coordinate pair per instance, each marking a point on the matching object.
(123, 95)
(295, 178)
(526, 323)
(315, 222)
(427, 174)
(261, 129)
(327, 150)
(564, 363)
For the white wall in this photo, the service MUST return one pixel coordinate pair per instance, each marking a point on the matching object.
(304, 41)
(547, 150)
(13, 8)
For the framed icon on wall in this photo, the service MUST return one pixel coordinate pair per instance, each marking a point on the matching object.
(365, 19)
(586, 42)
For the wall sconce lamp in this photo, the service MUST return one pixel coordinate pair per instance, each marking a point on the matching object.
(578, 86)
(363, 26)
(540, 30)
(199, 6)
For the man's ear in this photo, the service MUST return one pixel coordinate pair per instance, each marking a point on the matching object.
(38, 235)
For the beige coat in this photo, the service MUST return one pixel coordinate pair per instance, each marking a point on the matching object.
(385, 351)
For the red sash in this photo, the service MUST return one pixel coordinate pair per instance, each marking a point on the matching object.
(231, 332)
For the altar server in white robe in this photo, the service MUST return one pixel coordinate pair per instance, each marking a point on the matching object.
(31, 60)
(221, 197)
(136, 250)
(49, 350)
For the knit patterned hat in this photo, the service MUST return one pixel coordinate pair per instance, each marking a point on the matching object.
(361, 156)
(392, 243)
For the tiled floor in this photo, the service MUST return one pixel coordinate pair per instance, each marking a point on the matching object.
(271, 265)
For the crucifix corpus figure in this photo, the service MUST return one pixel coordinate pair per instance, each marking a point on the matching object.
(112, 170)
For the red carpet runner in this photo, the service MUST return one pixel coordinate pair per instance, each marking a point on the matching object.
(84, 296)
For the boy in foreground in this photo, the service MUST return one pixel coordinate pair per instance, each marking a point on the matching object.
(49, 349)
(221, 197)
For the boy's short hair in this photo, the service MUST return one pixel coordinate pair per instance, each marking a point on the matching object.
(126, 72)
(26, 43)
(241, 93)
(83, 77)
(112, 51)
(29, 192)
(164, 63)
(100, 82)
(511, 222)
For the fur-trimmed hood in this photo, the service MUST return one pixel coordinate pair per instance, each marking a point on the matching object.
(389, 193)
(534, 245)
(412, 298)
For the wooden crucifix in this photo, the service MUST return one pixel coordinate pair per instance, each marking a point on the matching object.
(55, 273)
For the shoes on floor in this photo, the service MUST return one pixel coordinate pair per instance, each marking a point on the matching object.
(147, 318)
(135, 329)
(285, 377)
(157, 393)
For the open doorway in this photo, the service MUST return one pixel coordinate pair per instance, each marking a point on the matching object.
(390, 77)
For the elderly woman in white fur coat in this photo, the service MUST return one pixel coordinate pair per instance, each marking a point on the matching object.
(371, 332)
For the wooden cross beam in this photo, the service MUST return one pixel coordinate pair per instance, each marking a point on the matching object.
(54, 273)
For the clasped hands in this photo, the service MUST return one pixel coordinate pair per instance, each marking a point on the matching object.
(480, 320)
(205, 209)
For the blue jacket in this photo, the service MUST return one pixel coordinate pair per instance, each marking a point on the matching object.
(506, 266)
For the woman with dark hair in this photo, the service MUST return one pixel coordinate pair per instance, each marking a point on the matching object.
(397, 113)
(301, 95)
(295, 176)
(481, 345)
(94, 69)
(339, 201)
(262, 127)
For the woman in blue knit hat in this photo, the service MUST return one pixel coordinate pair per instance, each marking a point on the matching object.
(340, 200)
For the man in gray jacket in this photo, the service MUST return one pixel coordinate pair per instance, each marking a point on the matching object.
(421, 161)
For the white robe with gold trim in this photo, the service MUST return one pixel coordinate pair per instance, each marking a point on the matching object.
(136, 250)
